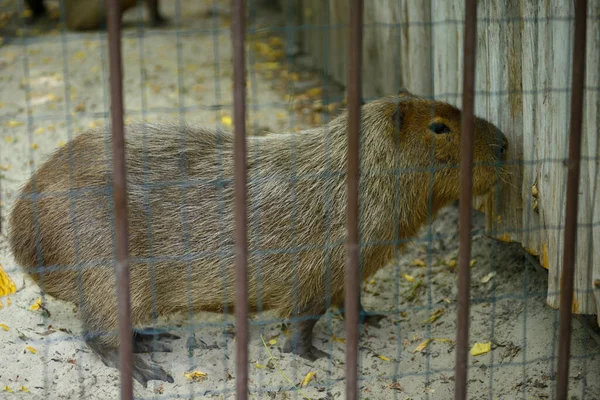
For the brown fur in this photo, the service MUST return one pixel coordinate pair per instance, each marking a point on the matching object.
(180, 204)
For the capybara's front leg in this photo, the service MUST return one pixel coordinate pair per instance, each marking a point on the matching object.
(300, 342)
(364, 317)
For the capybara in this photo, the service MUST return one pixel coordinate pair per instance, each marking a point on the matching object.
(181, 215)
(90, 14)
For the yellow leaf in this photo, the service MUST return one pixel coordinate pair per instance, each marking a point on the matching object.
(309, 377)
(337, 339)
(259, 366)
(422, 346)
(473, 262)
(80, 55)
(39, 131)
(196, 376)
(418, 263)
(23, 389)
(481, 348)
(31, 349)
(7, 286)
(35, 146)
(36, 305)
(8, 301)
(6, 388)
(315, 92)
(488, 277)
(1, 305)
(3, 326)
(372, 281)
(384, 358)
(227, 120)
(434, 316)
(273, 342)
(452, 263)
(275, 41)
(14, 124)
(409, 278)
(61, 143)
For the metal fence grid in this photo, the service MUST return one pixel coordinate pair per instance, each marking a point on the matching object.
(113, 48)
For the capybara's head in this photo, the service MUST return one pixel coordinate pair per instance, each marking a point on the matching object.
(427, 135)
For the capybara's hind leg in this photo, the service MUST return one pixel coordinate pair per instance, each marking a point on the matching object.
(101, 332)
(142, 370)
(300, 342)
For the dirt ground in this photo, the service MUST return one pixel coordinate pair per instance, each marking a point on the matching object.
(54, 86)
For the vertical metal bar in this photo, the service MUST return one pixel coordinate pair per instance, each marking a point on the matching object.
(466, 194)
(113, 16)
(241, 252)
(352, 273)
(570, 238)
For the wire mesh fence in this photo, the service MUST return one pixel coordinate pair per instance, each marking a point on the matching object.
(310, 200)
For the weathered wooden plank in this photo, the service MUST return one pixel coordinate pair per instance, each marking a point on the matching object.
(524, 52)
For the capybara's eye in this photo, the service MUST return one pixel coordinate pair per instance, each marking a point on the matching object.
(439, 128)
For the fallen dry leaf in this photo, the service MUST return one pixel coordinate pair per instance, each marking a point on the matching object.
(488, 277)
(434, 316)
(7, 388)
(3, 326)
(384, 358)
(409, 278)
(418, 263)
(273, 342)
(31, 349)
(36, 305)
(196, 376)
(14, 124)
(309, 377)
(481, 348)
(227, 121)
(422, 346)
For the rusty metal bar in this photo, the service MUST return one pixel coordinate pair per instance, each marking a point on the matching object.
(241, 251)
(113, 17)
(352, 273)
(570, 238)
(466, 194)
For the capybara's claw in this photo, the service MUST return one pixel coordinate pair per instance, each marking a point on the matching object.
(144, 371)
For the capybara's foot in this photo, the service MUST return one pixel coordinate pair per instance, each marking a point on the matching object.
(152, 342)
(371, 319)
(364, 317)
(142, 370)
(307, 351)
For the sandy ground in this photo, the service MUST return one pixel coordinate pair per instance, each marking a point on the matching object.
(59, 81)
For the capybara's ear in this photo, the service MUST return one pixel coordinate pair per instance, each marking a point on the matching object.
(404, 92)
